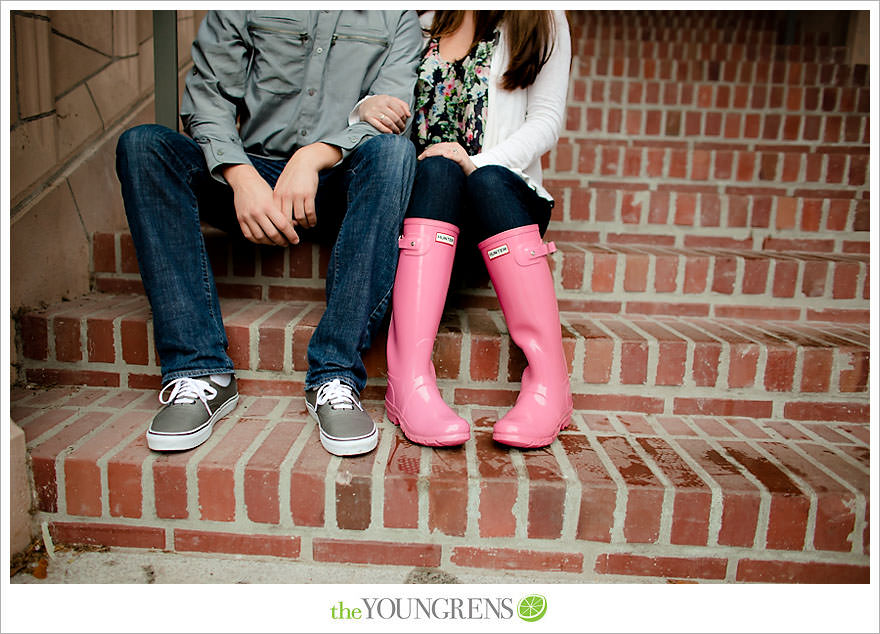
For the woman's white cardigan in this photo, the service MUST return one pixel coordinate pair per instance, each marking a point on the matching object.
(524, 123)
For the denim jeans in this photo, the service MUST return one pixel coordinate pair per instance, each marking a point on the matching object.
(490, 200)
(360, 204)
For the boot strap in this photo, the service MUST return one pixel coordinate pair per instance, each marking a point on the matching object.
(418, 245)
(528, 254)
(412, 245)
(409, 243)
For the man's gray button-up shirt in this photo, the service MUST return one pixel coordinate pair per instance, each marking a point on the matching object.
(247, 91)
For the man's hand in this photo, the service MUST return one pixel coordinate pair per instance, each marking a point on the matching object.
(385, 113)
(296, 187)
(452, 151)
(259, 215)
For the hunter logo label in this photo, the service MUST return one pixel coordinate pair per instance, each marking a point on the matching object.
(497, 252)
(445, 238)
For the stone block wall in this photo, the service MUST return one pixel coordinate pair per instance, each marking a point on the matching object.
(78, 79)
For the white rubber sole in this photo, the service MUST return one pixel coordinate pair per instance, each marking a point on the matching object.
(345, 446)
(189, 440)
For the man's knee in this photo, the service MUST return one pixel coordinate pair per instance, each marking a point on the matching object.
(391, 149)
(137, 144)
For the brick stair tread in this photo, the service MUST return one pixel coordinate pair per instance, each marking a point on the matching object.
(736, 148)
(689, 491)
(741, 97)
(651, 26)
(728, 71)
(825, 271)
(713, 169)
(640, 129)
(628, 37)
(760, 26)
(726, 364)
(608, 210)
(660, 49)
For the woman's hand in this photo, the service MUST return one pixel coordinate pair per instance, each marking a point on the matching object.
(452, 151)
(385, 113)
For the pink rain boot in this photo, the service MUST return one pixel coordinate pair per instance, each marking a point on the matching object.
(516, 260)
(427, 249)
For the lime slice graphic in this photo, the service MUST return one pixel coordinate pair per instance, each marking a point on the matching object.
(532, 608)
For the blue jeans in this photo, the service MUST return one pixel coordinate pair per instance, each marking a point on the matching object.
(360, 204)
(490, 200)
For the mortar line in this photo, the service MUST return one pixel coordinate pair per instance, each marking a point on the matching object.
(764, 495)
(239, 468)
(377, 477)
(285, 469)
(667, 507)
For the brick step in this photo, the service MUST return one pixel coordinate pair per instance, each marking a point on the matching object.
(728, 365)
(807, 279)
(731, 129)
(628, 496)
(659, 49)
(670, 161)
(738, 97)
(682, 24)
(727, 274)
(594, 210)
(697, 27)
(728, 71)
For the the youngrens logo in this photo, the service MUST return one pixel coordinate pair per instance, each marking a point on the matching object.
(530, 608)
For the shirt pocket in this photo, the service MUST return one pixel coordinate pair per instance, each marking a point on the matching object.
(364, 49)
(281, 48)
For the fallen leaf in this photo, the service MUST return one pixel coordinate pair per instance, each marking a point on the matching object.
(41, 569)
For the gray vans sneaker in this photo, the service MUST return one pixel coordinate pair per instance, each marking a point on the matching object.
(346, 429)
(190, 412)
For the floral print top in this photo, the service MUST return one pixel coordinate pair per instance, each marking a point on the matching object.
(452, 97)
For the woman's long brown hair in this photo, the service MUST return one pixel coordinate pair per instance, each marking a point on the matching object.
(529, 36)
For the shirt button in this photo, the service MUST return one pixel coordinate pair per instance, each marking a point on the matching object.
(319, 50)
(303, 132)
(311, 92)
(219, 152)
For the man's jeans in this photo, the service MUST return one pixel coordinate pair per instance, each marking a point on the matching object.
(167, 191)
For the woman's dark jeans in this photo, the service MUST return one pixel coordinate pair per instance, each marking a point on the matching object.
(490, 200)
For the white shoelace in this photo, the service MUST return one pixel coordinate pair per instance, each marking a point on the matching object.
(338, 394)
(187, 390)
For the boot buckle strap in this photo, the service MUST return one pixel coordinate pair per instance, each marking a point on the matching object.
(408, 243)
(531, 253)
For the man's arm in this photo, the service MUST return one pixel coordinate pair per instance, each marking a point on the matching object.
(209, 110)
(396, 78)
(298, 184)
(256, 207)
(296, 187)
(214, 88)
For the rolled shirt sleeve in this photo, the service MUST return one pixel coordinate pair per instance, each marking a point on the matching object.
(215, 88)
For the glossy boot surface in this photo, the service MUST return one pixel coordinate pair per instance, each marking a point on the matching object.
(517, 263)
(427, 250)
